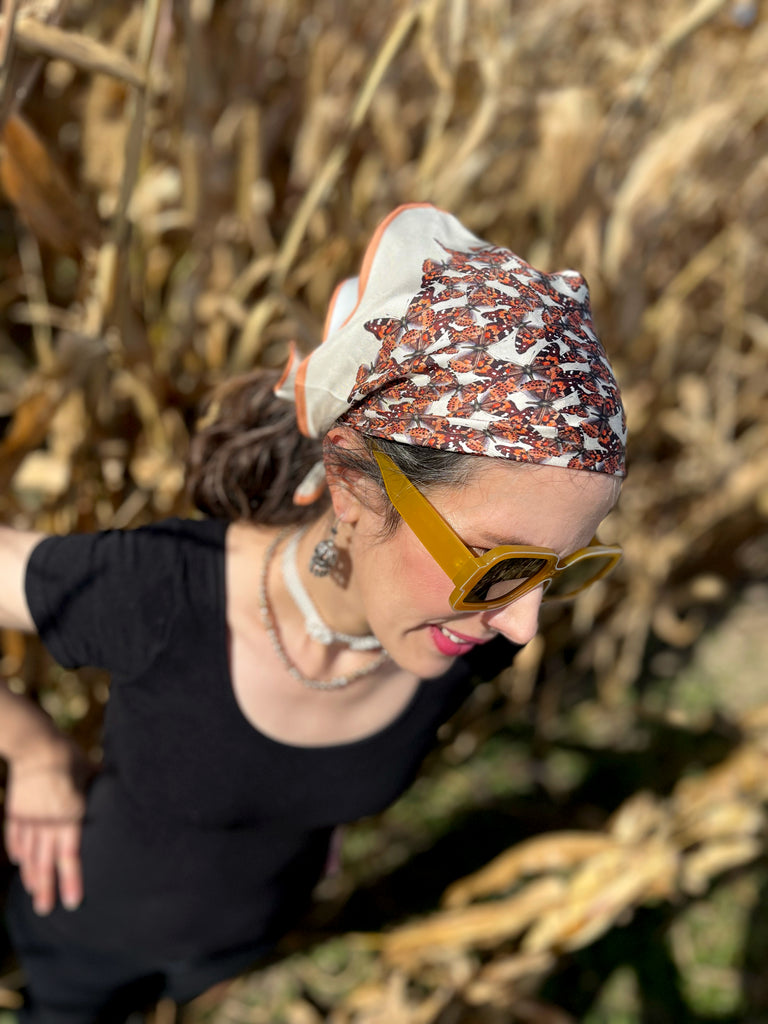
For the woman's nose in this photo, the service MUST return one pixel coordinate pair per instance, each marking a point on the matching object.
(519, 621)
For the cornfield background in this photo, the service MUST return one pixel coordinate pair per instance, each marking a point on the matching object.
(182, 186)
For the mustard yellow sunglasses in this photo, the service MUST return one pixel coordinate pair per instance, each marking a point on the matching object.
(503, 574)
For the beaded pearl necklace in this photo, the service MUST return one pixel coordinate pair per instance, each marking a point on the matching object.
(268, 618)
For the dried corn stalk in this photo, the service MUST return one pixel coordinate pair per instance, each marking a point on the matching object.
(561, 891)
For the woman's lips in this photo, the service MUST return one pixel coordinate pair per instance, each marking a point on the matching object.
(451, 643)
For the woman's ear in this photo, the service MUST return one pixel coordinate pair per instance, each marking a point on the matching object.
(346, 504)
(346, 485)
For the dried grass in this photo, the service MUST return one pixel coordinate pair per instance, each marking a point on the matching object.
(184, 184)
(503, 929)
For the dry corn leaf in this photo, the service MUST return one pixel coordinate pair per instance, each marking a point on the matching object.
(722, 820)
(601, 892)
(481, 925)
(393, 1005)
(28, 429)
(302, 1012)
(498, 978)
(657, 173)
(569, 125)
(673, 630)
(547, 853)
(36, 186)
(700, 867)
(43, 474)
(105, 123)
(683, 26)
(35, 37)
(639, 817)
(744, 772)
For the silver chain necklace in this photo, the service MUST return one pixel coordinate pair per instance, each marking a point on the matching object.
(268, 618)
(313, 623)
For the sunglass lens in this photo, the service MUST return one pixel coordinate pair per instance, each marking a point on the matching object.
(577, 576)
(501, 578)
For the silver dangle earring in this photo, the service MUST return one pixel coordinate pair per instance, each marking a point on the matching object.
(325, 557)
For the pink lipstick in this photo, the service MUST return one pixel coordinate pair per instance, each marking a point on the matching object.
(450, 643)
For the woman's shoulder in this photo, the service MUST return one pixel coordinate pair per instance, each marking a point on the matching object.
(128, 560)
(181, 530)
(98, 598)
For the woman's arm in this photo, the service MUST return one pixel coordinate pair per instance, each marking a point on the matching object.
(46, 772)
(15, 548)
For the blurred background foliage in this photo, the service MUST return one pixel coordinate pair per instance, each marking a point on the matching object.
(181, 187)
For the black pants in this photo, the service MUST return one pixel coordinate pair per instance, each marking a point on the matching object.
(73, 985)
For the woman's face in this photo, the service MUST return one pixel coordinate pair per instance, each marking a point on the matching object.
(403, 595)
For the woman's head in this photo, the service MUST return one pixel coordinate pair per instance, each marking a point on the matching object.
(483, 381)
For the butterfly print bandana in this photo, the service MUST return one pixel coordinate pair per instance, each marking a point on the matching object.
(449, 342)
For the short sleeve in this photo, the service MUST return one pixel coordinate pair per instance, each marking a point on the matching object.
(108, 599)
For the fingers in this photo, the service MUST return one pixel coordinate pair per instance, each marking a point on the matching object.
(68, 866)
(37, 867)
(13, 840)
(47, 854)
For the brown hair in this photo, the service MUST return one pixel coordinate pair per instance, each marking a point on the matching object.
(248, 458)
(423, 467)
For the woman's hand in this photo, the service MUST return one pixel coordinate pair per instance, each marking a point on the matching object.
(44, 809)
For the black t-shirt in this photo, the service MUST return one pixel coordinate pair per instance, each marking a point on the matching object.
(202, 834)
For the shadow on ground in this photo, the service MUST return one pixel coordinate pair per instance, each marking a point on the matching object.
(641, 945)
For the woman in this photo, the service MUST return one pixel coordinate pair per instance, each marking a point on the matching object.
(283, 665)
